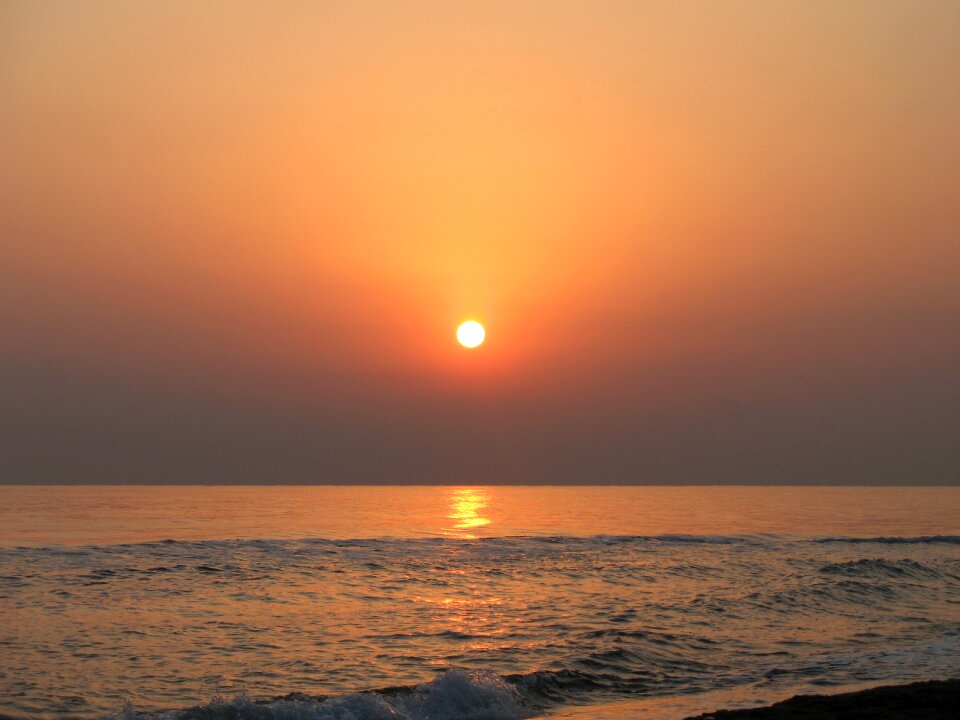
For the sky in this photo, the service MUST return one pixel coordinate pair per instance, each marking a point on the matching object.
(709, 242)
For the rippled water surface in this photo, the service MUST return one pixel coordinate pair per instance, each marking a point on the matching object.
(536, 597)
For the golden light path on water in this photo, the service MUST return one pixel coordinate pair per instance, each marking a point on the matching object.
(468, 611)
(466, 506)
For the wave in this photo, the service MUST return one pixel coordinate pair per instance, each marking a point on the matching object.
(881, 568)
(895, 540)
(504, 542)
(454, 695)
(332, 545)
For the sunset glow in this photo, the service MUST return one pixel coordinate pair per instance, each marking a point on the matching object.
(681, 224)
(410, 359)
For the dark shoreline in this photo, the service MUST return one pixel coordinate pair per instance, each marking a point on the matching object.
(928, 700)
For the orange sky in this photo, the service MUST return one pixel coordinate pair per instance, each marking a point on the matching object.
(711, 242)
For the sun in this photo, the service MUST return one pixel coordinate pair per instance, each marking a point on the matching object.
(471, 334)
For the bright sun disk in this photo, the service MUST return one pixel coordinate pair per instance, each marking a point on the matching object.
(470, 334)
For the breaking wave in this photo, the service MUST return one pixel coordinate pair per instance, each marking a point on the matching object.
(454, 695)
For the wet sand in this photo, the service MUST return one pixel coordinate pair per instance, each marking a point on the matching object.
(931, 700)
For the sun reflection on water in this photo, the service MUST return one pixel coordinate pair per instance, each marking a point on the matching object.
(466, 510)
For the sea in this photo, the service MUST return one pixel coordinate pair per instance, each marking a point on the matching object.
(467, 603)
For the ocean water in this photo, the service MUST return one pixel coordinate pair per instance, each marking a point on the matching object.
(480, 603)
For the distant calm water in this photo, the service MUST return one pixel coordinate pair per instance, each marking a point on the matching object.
(497, 602)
